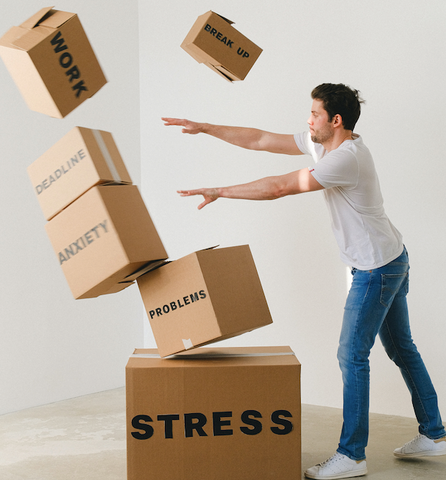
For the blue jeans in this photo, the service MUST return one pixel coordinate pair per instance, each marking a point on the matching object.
(376, 304)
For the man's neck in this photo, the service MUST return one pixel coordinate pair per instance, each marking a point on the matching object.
(339, 137)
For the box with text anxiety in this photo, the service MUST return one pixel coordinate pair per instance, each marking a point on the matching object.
(213, 41)
(214, 413)
(102, 238)
(80, 160)
(204, 297)
(52, 62)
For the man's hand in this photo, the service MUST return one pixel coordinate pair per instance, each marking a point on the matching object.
(188, 127)
(209, 195)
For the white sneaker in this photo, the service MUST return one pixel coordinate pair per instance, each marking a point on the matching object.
(421, 446)
(338, 466)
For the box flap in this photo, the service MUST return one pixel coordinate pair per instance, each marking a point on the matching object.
(47, 17)
(224, 18)
(36, 18)
(56, 19)
(28, 40)
(148, 267)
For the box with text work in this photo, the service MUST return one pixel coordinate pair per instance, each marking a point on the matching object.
(102, 237)
(220, 414)
(52, 62)
(204, 297)
(80, 160)
(213, 41)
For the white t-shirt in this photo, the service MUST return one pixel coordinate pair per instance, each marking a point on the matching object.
(366, 237)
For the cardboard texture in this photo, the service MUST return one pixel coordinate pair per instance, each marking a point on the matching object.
(213, 41)
(227, 413)
(102, 237)
(80, 160)
(204, 297)
(52, 62)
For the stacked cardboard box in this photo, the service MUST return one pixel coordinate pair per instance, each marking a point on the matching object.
(200, 413)
(99, 226)
(226, 413)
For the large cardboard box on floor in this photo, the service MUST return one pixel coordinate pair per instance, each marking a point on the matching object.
(220, 414)
(213, 41)
(52, 62)
(102, 237)
(80, 160)
(204, 297)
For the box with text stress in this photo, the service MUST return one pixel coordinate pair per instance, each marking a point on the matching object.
(213, 41)
(82, 159)
(52, 62)
(102, 238)
(204, 297)
(219, 413)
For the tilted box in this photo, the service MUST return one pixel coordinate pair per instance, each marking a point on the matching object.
(226, 413)
(103, 237)
(80, 160)
(213, 41)
(204, 297)
(52, 62)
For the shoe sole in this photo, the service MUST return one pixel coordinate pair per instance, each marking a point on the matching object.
(427, 453)
(338, 476)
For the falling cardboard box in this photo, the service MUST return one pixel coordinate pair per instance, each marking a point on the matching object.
(227, 413)
(216, 43)
(103, 237)
(80, 160)
(52, 62)
(207, 296)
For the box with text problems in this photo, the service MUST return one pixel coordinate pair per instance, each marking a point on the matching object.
(204, 297)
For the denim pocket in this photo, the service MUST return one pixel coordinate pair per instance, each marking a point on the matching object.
(390, 286)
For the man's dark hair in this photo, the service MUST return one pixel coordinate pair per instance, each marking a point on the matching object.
(339, 99)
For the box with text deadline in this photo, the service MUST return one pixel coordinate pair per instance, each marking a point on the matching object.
(80, 160)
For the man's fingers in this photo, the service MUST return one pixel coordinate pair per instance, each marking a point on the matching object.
(187, 193)
(172, 121)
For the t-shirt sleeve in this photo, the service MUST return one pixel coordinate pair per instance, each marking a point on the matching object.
(336, 169)
(303, 143)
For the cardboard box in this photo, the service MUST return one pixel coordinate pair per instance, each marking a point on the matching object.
(216, 43)
(228, 413)
(80, 160)
(52, 62)
(204, 297)
(102, 237)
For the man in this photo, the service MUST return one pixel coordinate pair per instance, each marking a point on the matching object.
(368, 243)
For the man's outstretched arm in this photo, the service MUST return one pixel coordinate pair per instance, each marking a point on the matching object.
(249, 138)
(268, 188)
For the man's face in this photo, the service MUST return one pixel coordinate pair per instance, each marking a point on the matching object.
(321, 129)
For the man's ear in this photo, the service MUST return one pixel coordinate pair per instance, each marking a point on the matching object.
(337, 120)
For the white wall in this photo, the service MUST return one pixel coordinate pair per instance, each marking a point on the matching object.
(52, 346)
(393, 53)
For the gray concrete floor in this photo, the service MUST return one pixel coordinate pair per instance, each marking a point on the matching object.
(84, 439)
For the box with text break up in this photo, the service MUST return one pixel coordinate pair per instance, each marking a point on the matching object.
(102, 238)
(214, 413)
(82, 159)
(213, 41)
(52, 62)
(204, 297)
